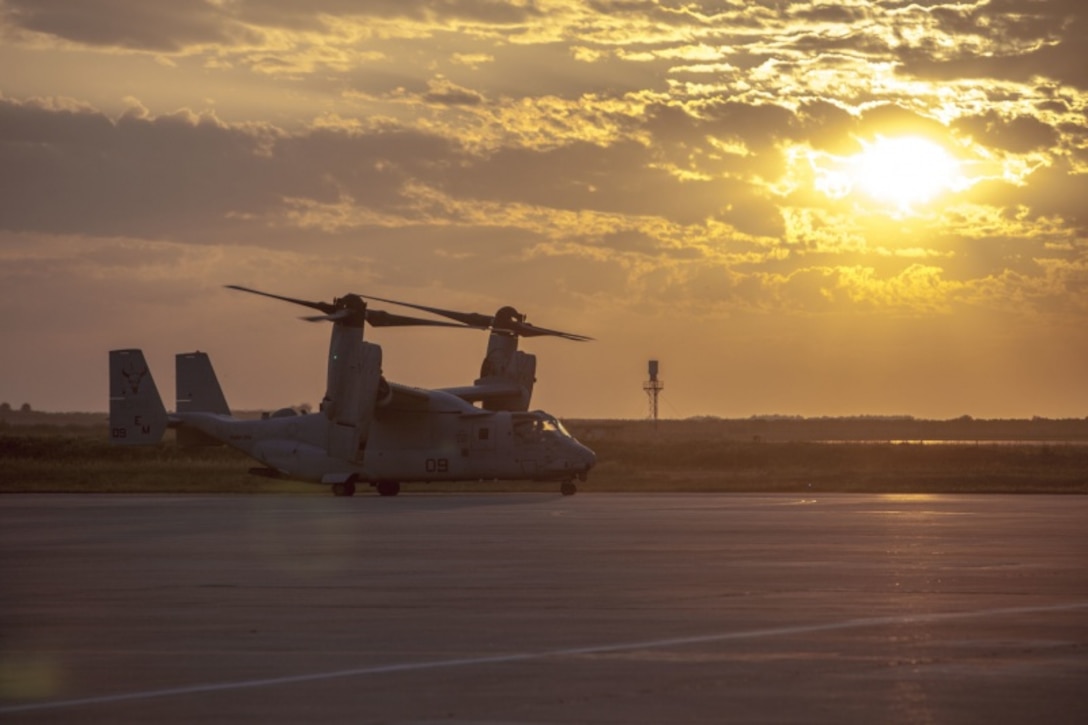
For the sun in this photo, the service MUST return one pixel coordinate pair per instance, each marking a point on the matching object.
(904, 171)
(900, 172)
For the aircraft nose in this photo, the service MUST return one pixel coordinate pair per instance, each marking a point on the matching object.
(579, 458)
(590, 458)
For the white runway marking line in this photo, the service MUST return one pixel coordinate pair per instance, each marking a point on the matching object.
(522, 657)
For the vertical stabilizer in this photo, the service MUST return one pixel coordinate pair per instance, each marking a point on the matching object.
(198, 389)
(137, 415)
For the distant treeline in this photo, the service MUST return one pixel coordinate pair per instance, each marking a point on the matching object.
(797, 455)
(867, 428)
(755, 429)
(14, 417)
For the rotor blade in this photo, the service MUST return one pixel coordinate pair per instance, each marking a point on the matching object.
(325, 307)
(526, 329)
(472, 319)
(338, 315)
(381, 318)
(475, 319)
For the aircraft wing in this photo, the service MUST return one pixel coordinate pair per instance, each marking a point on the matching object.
(406, 397)
(492, 395)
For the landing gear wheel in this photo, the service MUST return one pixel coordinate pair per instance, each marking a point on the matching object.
(388, 488)
(345, 488)
(567, 488)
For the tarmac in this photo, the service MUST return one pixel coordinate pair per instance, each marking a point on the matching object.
(538, 608)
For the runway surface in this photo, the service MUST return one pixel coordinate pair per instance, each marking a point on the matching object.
(532, 608)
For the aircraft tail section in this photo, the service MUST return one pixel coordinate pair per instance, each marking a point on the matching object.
(198, 389)
(137, 415)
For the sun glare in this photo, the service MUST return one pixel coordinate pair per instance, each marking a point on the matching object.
(901, 172)
(905, 171)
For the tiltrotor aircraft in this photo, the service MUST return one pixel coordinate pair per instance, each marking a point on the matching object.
(369, 430)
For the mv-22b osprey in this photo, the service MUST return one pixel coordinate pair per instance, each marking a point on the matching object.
(368, 430)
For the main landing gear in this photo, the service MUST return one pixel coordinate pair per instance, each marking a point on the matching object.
(347, 488)
(343, 488)
(388, 488)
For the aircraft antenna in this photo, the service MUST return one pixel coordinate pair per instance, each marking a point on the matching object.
(653, 388)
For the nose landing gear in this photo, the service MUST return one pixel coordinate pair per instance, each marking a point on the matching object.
(567, 488)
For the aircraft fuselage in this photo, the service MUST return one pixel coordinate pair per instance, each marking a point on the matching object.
(418, 435)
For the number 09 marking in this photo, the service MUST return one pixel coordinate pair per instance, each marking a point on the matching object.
(437, 465)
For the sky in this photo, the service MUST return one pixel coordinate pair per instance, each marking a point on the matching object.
(800, 208)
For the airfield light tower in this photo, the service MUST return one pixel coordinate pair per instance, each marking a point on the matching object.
(653, 388)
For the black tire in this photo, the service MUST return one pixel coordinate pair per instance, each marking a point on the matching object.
(343, 488)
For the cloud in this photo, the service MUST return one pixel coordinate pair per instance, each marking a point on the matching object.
(174, 26)
(79, 171)
(1006, 40)
(443, 92)
(70, 169)
(1019, 134)
(129, 24)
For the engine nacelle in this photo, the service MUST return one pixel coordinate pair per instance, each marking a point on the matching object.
(385, 393)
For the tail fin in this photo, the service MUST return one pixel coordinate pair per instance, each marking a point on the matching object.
(198, 389)
(137, 415)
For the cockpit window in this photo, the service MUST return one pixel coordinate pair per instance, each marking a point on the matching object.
(536, 424)
(550, 424)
